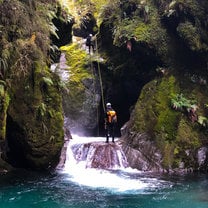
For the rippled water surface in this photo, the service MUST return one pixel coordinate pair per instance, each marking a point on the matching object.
(23, 189)
(76, 186)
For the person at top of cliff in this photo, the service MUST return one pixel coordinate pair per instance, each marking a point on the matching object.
(110, 121)
(89, 42)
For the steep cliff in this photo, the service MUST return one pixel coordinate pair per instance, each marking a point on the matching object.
(153, 67)
(166, 134)
(82, 98)
(31, 104)
(158, 52)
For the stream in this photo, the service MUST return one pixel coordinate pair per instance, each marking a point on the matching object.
(76, 186)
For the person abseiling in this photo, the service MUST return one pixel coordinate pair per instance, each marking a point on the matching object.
(89, 42)
(110, 121)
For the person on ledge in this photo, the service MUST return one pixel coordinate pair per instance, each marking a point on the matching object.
(110, 122)
(90, 43)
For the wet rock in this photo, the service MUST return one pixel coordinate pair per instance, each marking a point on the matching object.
(100, 155)
(141, 153)
(202, 156)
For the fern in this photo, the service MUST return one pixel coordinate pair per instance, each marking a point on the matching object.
(48, 81)
(3, 67)
(2, 91)
(53, 30)
(52, 139)
(179, 102)
(202, 121)
(45, 129)
(42, 109)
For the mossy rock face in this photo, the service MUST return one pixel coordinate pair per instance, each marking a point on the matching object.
(4, 103)
(187, 19)
(155, 100)
(35, 121)
(31, 104)
(136, 23)
(82, 98)
(171, 132)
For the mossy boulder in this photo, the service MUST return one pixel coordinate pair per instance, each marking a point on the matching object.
(35, 121)
(31, 103)
(174, 138)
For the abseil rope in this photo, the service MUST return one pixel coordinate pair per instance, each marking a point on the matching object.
(100, 80)
(100, 76)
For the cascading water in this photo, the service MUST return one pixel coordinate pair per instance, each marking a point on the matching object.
(76, 185)
(91, 162)
(95, 154)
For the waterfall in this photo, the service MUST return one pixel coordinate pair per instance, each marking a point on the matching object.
(92, 162)
(61, 68)
(89, 161)
(95, 154)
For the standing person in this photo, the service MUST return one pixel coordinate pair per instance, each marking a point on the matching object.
(89, 42)
(110, 121)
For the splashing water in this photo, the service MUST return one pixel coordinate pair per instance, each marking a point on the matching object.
(118, 179)
(76, 186)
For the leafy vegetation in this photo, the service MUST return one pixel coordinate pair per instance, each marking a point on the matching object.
(78, 62)
(203, 121)
(179, 102)
(190, 35)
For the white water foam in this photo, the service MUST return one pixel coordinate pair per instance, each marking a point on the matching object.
(122, 180)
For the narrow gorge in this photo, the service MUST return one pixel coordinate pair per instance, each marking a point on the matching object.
(150, 62)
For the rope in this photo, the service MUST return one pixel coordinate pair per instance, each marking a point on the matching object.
(100, 80)
(101, 83)
(100, 76)
(92, 70)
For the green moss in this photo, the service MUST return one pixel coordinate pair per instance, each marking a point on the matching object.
(175, 135)
(78, 59)
(4, 103)
(168, 154)
(144, 110)
(35, 104)
(143, 32)
(143, 25)
(190, 35)
(167, 118)
(187, 136)
(188, 140)
(154, 108)
(39, 100)
(79, 70)
(154, 115)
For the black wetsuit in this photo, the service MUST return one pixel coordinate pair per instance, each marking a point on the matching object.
(110, 126)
